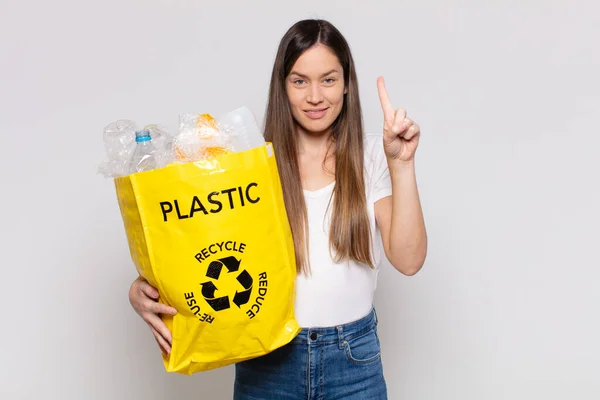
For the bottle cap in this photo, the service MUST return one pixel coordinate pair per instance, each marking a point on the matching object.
(142, 136)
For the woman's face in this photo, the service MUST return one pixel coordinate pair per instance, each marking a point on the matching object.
(316, 88)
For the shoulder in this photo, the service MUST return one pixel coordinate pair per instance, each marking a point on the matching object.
(373, 149)
(377, 176)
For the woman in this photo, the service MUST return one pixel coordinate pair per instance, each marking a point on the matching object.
(347, 195)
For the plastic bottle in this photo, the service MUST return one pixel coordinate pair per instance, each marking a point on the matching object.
(243, 129)
(144, 158)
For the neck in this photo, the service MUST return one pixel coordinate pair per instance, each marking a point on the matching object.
(313, 142)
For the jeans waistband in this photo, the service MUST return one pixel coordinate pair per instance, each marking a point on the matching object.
(339, 333)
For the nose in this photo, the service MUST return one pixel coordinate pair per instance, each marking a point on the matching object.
(315, 94)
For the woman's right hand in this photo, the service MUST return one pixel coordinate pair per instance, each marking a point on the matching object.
(144, 299)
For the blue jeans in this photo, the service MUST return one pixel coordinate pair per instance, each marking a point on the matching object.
(342, 362)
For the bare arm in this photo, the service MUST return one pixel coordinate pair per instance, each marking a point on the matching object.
(399, 216)
(401, 221)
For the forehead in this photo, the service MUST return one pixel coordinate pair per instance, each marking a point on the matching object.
(317, 60)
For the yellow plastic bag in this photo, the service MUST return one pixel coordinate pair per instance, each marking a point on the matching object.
(213, 237)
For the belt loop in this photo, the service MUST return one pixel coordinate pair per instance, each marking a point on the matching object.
(375, 316)
(340, 331)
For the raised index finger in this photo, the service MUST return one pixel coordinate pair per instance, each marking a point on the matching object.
(386, 104)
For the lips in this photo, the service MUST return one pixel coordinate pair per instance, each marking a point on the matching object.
(316, 113)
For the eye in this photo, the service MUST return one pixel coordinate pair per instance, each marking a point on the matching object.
(329, 81)
(298, 82)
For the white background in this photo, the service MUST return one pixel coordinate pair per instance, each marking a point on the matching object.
(507, 94)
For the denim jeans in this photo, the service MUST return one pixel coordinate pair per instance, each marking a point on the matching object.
(342, 362)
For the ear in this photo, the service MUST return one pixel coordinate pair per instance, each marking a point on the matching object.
(345, 89)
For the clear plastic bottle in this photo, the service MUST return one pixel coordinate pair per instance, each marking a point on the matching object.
(144, 157)
(243, 129)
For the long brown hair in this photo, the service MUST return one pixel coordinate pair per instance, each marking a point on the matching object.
(349, 220)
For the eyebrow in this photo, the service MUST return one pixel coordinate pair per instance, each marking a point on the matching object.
(304, 76)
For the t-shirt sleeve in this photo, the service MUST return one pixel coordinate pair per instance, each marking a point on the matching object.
(381, 184)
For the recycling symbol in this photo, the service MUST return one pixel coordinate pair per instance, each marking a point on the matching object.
(214, 272)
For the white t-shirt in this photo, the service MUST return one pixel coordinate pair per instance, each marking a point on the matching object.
(338, 293)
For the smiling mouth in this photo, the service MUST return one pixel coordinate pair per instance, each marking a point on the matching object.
(316, 112)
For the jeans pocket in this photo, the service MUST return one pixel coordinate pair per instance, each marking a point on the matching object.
(364, 349)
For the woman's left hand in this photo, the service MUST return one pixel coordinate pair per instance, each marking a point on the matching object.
(400, 133)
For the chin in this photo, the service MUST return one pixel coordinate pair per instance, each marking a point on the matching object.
(316, 127)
